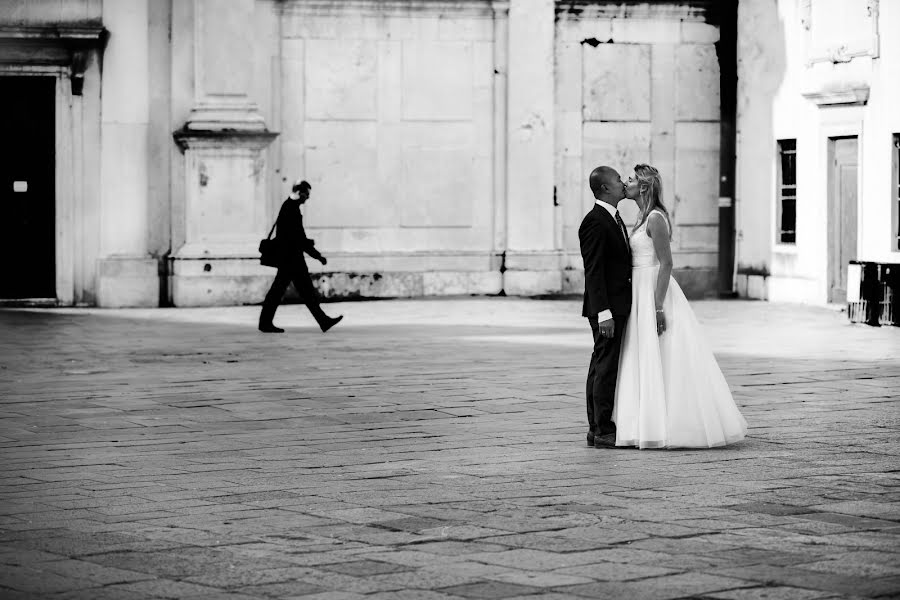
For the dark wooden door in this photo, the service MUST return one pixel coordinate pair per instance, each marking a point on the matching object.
(27, 170)
(843, 213)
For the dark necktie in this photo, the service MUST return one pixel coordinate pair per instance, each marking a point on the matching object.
(623, 228)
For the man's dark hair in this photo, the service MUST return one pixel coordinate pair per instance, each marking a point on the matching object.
(303, 185)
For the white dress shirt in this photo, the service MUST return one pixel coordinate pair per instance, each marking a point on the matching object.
(613, 211)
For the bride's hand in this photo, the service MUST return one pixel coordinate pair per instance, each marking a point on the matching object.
(660, 322)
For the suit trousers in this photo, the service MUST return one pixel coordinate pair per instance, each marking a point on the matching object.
(292, 271)
(602, 375)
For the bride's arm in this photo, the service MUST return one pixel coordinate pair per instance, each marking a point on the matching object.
(658, 230)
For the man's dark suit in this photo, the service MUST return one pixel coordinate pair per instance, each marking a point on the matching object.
(292, 242)
(607, 286)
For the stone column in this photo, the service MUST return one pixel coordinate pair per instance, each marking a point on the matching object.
(532, 259)
(126, 274)
(221, 215)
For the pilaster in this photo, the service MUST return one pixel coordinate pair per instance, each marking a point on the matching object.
(126, 273)
(533, 260)
(218, 217)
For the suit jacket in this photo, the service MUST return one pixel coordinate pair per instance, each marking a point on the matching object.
(607, 265)
(291, 236)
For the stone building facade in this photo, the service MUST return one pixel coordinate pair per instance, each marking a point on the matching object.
(817, 145)
(447, 141)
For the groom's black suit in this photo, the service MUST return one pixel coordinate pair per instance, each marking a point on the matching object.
(607, 286)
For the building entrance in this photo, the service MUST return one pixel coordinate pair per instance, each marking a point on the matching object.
(27, 181)
(842, 220)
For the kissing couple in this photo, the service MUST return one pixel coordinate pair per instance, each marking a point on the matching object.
(653, 382)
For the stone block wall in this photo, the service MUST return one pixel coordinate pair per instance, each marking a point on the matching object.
(640, 84)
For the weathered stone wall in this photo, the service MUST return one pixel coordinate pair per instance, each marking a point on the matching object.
(640, 84)
(51, 12)
(448, 142)
(388, 110)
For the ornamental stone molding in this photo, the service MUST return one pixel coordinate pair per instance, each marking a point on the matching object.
(837, 31)
(53, 45)
(841, 39)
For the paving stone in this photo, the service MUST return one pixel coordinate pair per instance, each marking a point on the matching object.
(427, 446)
(332, 595)
(841, 583)
(608, 571)
(361, 568)
(539, 579)
(92, 572)
(163, 588)
(280, 590)
(770, 593)
(490, 590)
(457, 548)
(659, 588)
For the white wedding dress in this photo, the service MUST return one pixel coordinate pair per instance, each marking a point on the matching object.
(670, 391)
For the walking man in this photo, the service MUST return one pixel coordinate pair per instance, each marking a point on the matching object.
(290, 237)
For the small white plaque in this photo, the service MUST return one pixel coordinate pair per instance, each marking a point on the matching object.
(854, 275)
(20, 186)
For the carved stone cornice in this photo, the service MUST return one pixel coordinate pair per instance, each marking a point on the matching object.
(689, 10)
(65, 45)
(379, 7)
(222, 140)
(846, 97)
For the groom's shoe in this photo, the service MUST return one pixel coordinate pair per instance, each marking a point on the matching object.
(606, 440)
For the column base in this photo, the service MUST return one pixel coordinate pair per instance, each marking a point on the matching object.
(127, 282)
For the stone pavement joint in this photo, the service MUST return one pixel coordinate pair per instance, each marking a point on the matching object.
(433, 449)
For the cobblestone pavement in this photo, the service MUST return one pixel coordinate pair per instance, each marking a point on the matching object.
(433, 449)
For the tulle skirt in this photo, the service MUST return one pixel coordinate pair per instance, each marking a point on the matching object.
(670, 391)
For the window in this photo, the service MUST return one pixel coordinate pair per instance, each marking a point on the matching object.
(895, 195)
(786, 227)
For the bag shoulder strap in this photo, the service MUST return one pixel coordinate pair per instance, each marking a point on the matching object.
(271, 231)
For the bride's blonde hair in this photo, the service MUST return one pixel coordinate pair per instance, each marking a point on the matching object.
(650, 187)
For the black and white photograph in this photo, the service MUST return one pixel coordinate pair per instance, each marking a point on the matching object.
(450, 299)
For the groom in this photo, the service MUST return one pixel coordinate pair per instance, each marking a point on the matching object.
(607, 298)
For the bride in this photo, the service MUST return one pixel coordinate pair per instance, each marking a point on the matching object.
(670, 392)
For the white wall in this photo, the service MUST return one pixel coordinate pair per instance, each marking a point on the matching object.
(782, 96)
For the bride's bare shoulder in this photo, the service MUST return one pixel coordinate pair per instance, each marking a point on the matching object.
(656, 220)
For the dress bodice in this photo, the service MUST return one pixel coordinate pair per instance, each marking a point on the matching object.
(643, 254)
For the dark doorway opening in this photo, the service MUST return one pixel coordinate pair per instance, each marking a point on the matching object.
(28, 187)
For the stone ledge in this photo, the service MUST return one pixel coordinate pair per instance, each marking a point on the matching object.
(198, 289)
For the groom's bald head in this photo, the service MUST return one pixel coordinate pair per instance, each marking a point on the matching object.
(606, 184)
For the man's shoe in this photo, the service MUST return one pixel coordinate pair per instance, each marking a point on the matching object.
(270, 328)
(331, 322)
(606, 440)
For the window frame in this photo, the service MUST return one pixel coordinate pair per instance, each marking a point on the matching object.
(895, 192)
(784, 147)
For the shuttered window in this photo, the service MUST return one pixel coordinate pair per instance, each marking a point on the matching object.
(786, 223)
